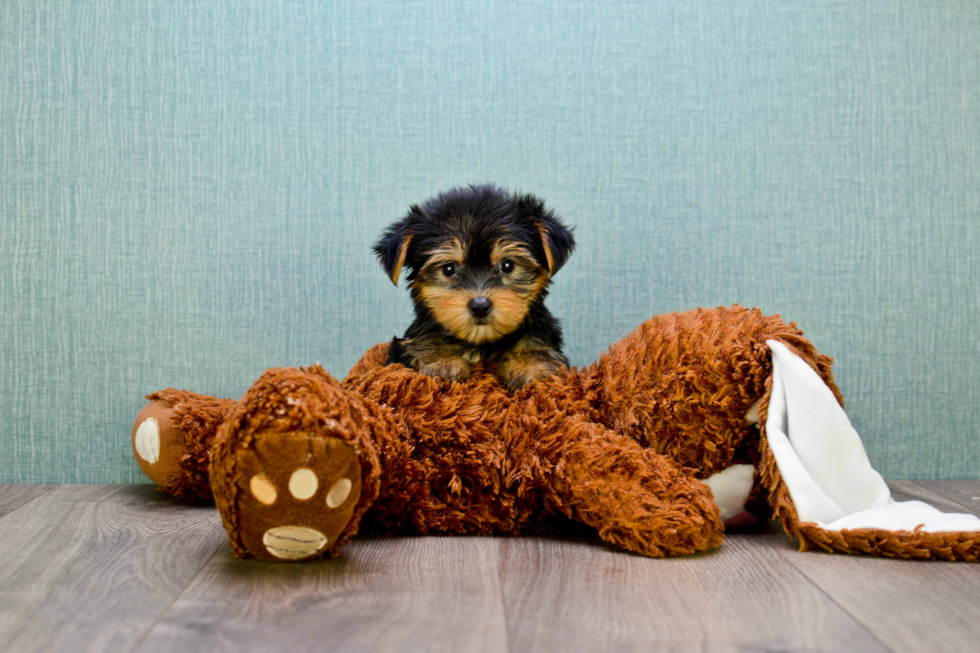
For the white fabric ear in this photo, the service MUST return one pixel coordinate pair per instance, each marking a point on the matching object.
(823, 462)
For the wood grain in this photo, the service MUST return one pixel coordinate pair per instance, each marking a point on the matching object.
(965, 493)
(566, 596)
(14, 495)
(397, 594)
(91, 567)
(910, 605)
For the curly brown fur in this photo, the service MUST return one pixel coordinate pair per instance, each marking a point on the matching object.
(481, 261)
(682, 383)
(469, 459)
(617, 446)
(285, 402)
(909, 545)
(196, 419)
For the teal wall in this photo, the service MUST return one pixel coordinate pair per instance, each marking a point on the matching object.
(189, 191)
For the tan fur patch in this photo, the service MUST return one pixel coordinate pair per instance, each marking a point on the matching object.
(451, 308)
(547, 248)
(400, 263)
(518, 371)
(437, 356)
(449, 368)
(529, 360)
(453, 251)
(539, 284)
(508, 249)
(509, 309)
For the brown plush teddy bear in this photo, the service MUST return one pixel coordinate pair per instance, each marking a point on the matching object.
(653, 446)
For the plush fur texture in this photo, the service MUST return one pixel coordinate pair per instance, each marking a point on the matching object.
(618, 445)
(285, 402)
(194, 420)
(908, 545)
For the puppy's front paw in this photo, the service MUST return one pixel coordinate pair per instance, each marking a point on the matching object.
(516, 371)
(453, 368)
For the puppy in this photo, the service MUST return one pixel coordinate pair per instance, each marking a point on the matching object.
(480, 262)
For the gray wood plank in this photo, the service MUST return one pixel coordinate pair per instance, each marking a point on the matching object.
(14, 495)
(124, 567)
(909, 605)
(965, 493)
(388, 594)
(928, 493)
(91, 567)
(578, 596)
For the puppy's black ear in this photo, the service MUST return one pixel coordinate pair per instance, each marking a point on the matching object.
(392, 248)
(557, 241)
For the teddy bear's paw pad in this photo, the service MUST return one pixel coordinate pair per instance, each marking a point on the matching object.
(293, 542)
(147, 440)
(297, 493)
(158, 445)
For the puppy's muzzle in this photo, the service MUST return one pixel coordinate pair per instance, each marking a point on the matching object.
(480, 306)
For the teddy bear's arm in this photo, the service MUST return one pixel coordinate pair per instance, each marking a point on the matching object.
(636, 498)
(172, 439)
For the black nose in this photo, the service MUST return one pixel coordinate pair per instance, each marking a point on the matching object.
(480, 306)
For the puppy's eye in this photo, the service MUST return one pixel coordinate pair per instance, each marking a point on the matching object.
(449, 269)
(507, 266)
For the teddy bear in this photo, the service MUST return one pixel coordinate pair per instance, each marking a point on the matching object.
(693, 421)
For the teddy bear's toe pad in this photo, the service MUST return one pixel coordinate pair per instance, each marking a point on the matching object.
(293, 542)
(158, 444)
(297, 493)
(147, 440)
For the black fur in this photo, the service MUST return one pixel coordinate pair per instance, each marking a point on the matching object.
(478, 216)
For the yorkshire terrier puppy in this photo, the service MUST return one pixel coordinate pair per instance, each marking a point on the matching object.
(481, 260)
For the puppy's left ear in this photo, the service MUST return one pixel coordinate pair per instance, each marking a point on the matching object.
(392, 248)
(557, 241)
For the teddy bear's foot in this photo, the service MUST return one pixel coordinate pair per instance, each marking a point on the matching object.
(636, 498)
(293, 468)
(296, 494)
(172, 439)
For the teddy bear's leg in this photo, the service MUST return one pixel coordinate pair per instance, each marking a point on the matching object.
(637, 499)
(823, 487)
(172, 439)
(294, 467)
(687, 384)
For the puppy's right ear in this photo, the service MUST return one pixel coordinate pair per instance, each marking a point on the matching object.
(392, 248)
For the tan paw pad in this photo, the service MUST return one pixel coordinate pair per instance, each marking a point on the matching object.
(315, 484)
(263, 489)
(148, 440)
(293, 542)
(303, 483)
(339, 493)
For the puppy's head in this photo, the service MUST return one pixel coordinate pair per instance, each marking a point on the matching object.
(478, 257)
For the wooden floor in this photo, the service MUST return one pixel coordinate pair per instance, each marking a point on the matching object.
(124, 568)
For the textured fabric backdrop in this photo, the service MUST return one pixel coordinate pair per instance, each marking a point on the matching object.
(189, 191)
